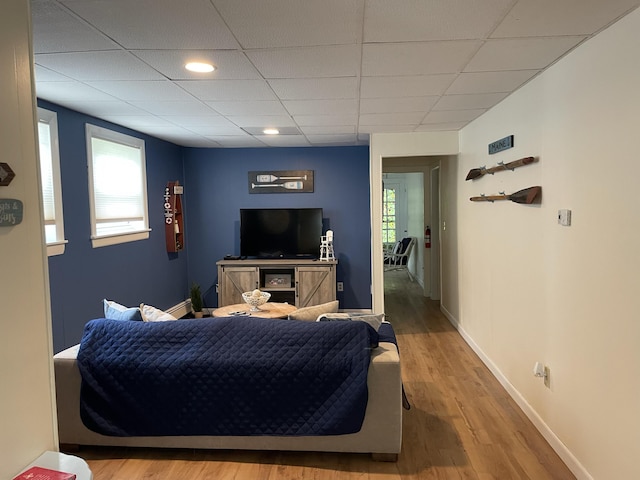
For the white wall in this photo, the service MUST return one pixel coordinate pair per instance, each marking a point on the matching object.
(532, 290)
(27, 425)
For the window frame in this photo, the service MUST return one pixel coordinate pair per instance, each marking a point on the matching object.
(94, 131)
(50, 118)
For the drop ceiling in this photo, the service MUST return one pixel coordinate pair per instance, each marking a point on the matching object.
(326, 72)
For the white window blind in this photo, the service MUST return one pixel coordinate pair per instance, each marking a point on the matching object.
(117, 176)
(51, 183)
(46, 173)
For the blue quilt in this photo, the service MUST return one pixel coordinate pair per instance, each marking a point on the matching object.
(224, 376)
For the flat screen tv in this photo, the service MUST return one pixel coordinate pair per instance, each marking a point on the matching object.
(280, 232)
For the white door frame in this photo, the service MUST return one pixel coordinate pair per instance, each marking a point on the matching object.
(395, 145)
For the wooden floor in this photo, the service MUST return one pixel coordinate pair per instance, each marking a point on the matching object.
(462, 424)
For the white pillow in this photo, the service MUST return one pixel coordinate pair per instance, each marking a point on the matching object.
(374, 320)
(153, 314)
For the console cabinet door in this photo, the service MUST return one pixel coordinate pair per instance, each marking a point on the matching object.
(233, 281)
(315, 285)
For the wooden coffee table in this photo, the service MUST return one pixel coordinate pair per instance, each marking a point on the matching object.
(268, 310)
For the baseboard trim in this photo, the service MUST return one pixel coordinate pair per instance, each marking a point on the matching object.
(558, 446)
(180, 310)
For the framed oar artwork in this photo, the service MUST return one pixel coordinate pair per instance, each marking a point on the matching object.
(281, 181)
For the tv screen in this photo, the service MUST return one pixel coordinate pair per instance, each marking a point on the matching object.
(280, 232)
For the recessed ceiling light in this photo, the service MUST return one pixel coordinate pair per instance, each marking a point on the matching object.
(199, 67)
(271, 131)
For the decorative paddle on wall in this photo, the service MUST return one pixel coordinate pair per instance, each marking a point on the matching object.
(479, 172)
(526, 196)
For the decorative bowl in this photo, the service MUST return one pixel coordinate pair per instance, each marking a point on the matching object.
(255, 299)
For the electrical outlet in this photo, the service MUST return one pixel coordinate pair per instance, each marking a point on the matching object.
(340, 286)
(547, 376)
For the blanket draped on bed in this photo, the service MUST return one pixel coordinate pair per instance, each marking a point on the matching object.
(224, 376)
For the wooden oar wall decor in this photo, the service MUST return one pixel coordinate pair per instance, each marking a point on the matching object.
(480, 172)
(526, 196)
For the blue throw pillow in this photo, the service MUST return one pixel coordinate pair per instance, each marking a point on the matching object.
(115, 311)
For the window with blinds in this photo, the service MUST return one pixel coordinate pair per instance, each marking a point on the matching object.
(118, 187)
(51, 183)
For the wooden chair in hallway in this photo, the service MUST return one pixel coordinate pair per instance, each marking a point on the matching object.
(398, 259)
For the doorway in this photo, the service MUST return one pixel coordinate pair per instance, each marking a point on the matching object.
(407, 216)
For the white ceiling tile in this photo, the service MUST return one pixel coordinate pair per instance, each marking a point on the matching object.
(450, 116)
(321, 107)
(111, 65)
(385, 129)
(59, 92)
(520, 53)
(332, 139)
(134, 121)
(230, 64)
(183, 109)
(469, 102)
(200, 142)
(566, 17)
(262, 120)
(324, 120)
(284, 140)
(168, 132)
(269, 107)
(236, 141)
(142, 90)
(124, 60)
(409, 118)
(157, 24)
(329, 129)
(259, 131)
(409, 86)
(397, 105)
(490, 82)
(284, 23)
(43, 74)
(421, 20)
(199, 120)
(56, 30)
(315, 88)
(102, 108)
(228, 90)
(308, 62)
(210, 131)
(441, 127)
(417, 58)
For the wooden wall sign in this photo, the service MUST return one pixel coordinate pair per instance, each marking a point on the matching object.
(11, 212)
(6, 174)
(173, 221)
(281, 181)
(500, 145)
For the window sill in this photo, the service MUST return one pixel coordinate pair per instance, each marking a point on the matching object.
(56, 248)
(97, 242)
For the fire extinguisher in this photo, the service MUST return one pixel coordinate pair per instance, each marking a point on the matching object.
(427, 237)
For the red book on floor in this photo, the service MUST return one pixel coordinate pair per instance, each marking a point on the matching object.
(39, 473)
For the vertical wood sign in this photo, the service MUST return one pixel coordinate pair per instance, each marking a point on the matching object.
(173, 221)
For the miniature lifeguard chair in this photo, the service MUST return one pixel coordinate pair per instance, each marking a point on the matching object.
(326, 247)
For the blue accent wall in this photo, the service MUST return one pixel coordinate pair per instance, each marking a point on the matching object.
(129, 273)
(216, 188)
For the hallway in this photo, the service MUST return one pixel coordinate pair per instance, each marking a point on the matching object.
(462, 423)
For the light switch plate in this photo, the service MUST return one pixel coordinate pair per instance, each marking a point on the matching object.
(564, 217)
